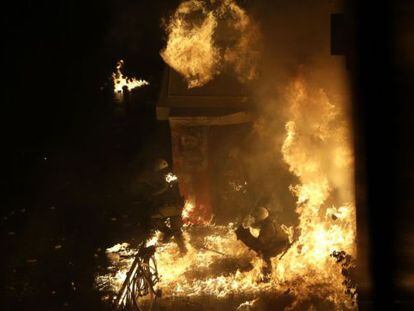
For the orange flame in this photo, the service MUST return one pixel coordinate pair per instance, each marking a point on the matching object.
(121, 81)
(193, 49)
(318, 151)
(316, 136)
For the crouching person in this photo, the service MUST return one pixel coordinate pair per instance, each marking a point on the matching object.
(260, 233)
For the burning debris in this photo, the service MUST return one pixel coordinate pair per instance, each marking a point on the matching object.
(348, 268)
(206, 37)
(216, 264)
(140, 280)
(121, 81)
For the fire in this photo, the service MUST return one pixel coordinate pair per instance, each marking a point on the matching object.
(197, 273)
(190, 49)
(121, 81)
(194, 48)
(318, 151)
(188, 211)
(192, 215)
(315, 136)
(179, 279)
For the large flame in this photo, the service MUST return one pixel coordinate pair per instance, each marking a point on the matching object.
(318, 150)
(194, 48)
(121, 81)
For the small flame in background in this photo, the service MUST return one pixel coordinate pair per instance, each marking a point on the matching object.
(121, 81)
(194, 50)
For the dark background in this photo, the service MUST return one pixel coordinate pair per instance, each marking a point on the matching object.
(67, 158)
(68, 152)
(381, 49)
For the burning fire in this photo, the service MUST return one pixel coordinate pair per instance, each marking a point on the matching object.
(191, 215)
(318, 151)
(121, 81)
(194, 48)
(210, 249)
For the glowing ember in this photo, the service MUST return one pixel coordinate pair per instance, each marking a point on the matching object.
(121, 81)
(194, 48)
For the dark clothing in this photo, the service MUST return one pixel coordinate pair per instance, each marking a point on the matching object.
(157, 183)
(167, 205)
(174, 230)
(268, 244)
(270, 241)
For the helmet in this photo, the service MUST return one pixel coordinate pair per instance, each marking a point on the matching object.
(160, 165)
(260, 213)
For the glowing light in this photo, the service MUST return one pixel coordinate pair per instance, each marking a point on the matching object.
(188, 209)
(317, 150)
(180, 275)
(315, 132)
(121, 81)
(170, 177)
(193, 49)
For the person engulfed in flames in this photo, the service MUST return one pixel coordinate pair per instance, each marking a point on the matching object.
(260, 233)
(167, 204)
